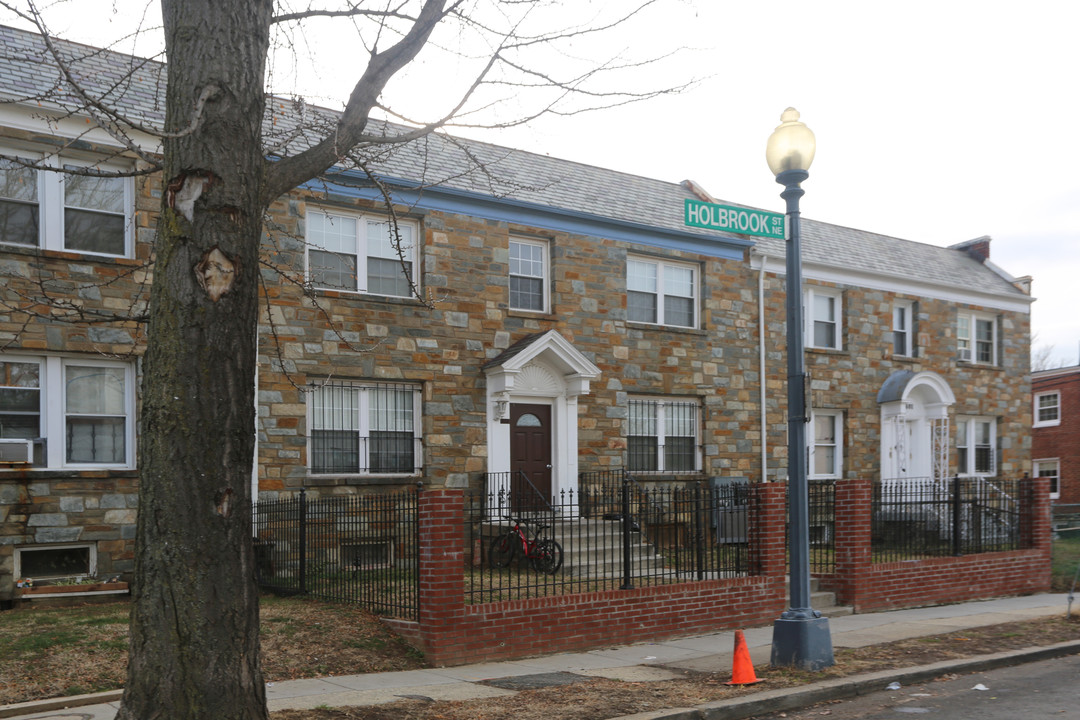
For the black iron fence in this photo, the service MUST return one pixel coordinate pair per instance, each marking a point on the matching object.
(611, 533)
(351, 548)
(923, 517)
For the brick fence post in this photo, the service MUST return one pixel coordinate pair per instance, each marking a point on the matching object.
(1041, 534)
(852, 539)
(442, 568)
(772, 524)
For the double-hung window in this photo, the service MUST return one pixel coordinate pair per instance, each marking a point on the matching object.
(74, 412)
(1047, 409)
(86, 210)
(364, 428)
(662, 435)
(976, 446)
(661, 293)
(528, 275)
(360, 253)
(824, 327)
(903, 329)
(976, 338)
(826, 450)
(1050, 469)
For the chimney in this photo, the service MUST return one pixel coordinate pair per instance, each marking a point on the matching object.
(977, 249)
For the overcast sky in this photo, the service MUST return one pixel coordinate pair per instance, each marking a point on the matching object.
(936, 121)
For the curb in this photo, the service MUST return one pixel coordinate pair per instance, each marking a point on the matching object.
(758, 703)
(40, 706)
(794, 698)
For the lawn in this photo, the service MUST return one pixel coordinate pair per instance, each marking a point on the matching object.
(59, 651)
(1064, 560)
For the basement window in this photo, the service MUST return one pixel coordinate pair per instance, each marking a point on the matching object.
(45, 562)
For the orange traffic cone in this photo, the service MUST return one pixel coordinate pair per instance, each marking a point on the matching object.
(742, 669)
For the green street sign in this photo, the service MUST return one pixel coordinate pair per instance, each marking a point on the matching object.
(734, 219)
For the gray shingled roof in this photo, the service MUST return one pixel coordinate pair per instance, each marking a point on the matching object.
(137, 85)
(838, 246)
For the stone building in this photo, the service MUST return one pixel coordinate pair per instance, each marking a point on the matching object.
(571, 322)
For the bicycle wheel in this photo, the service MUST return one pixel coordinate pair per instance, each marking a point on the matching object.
(502, 550)
(547, 557)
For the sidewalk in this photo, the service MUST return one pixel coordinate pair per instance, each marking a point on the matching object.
(635, 663)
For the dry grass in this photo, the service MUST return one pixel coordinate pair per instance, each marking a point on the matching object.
(48, 652)
(60, 651)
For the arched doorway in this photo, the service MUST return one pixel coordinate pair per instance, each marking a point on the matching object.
(915, 427)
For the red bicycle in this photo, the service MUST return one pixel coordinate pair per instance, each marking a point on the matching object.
(544, 554)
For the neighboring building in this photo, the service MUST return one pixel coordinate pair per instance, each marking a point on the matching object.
(576, 325)
(1055, 446)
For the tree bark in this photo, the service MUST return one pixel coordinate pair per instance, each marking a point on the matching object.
(194, 625)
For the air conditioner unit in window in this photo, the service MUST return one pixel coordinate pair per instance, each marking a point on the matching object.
(16, 451)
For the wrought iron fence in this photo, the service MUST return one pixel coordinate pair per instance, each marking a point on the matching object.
(610, 533)
(923, 517)
(821, 504)
(350, 548)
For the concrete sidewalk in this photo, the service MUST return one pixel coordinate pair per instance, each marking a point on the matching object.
(637, 663)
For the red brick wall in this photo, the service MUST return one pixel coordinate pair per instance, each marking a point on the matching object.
(932, 581)
(1061, 441)
(453, 633)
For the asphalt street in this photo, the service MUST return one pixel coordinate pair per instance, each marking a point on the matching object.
(1047, 689)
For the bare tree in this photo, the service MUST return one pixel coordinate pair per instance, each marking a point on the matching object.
(194, 634)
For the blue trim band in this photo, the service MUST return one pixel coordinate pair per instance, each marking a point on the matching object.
(463, 202)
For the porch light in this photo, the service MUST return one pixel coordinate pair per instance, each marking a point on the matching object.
(800, 636)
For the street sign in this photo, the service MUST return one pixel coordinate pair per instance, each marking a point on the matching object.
(734, 219)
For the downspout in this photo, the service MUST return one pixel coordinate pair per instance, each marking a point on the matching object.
(761, 369)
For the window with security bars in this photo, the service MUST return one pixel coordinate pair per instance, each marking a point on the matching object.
(662, 436)
(364, 428)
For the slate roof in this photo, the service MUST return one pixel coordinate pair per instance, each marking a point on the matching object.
(137, 85)
(838, 246)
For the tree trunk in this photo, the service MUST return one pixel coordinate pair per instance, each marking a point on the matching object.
(194, 624)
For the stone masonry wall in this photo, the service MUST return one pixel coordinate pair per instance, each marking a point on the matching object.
(465, 262)
(49, 507)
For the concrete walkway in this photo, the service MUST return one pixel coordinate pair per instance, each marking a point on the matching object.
(638, 663)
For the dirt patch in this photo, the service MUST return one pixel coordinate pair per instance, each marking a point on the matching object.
(600, 699)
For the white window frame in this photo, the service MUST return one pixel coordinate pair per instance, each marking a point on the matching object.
(903, 328)
(544, 277)
(813, 443)
(53, 407)
(811, 294)
(663, 405)
(51, 204)
(364, 427)
(1056, 420)
(968, 342)
(1054, 465)
(967, 445)
(362, 254)
(91, 570)
(660, 293)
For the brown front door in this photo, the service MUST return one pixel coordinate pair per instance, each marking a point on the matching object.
(530, 456)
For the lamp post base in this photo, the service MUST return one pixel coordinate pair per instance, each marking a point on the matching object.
(803, 643)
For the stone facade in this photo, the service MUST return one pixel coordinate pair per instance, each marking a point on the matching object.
(446, 349)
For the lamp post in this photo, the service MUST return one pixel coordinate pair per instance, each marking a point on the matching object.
(800, 636)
